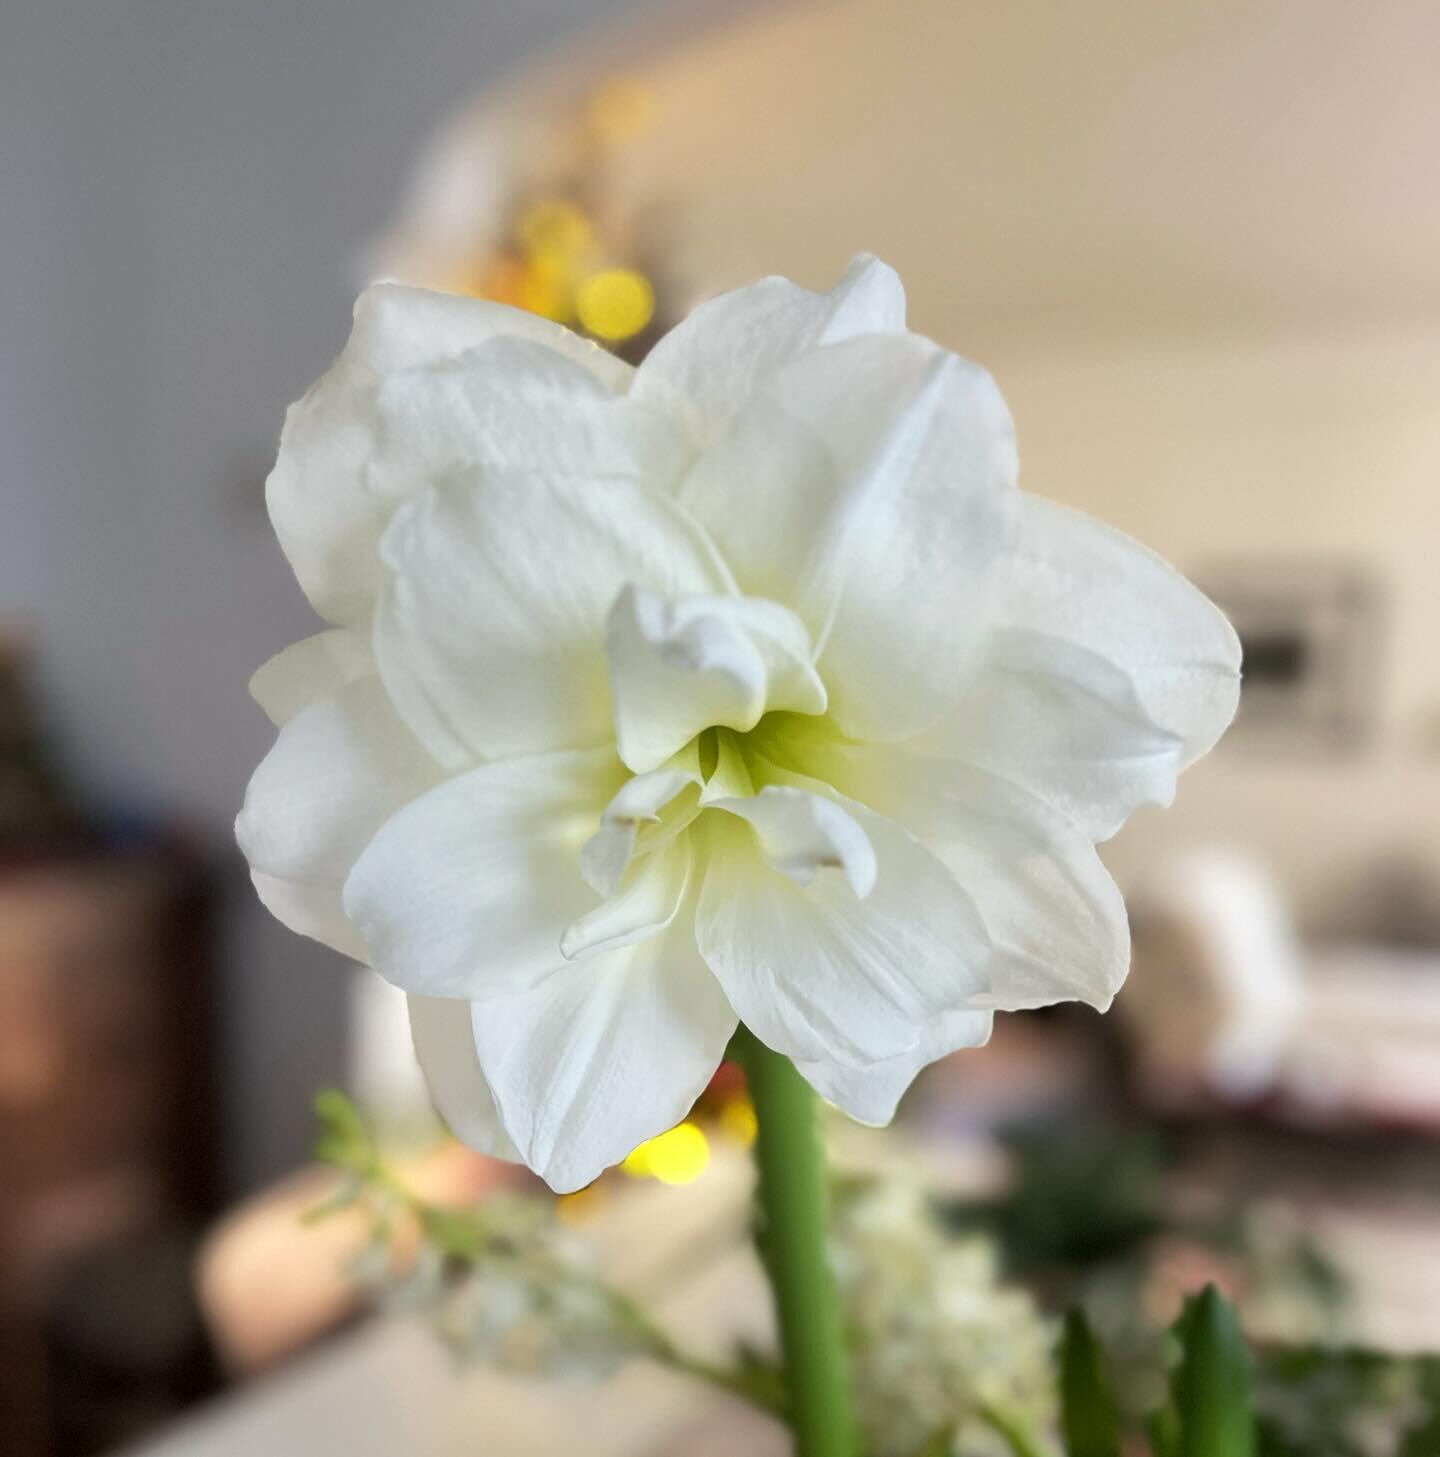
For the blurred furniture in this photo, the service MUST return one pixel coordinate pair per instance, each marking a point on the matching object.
(1226, 1005)
(105, 1134)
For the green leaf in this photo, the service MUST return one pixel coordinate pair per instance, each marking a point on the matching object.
(939, 1443)
(343, 1138)
(1213, 1384)
(1087, 1405)
(1163, 1430)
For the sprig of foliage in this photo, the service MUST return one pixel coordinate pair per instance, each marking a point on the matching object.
(526, 1295)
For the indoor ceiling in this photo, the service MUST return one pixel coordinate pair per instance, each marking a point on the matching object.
(1045, 171)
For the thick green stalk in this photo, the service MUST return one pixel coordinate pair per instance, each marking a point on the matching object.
(792, 1198)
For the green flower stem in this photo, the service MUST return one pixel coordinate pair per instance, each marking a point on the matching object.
(792, 1195)
(1015, 1430)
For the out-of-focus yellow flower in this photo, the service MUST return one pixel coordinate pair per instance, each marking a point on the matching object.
(678, 1156)
(555, 229)
(620, 109)
(502, 280)
(615, 303)
(737, 1121)
(547, 289)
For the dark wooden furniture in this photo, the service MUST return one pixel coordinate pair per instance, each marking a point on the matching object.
(106, 1139)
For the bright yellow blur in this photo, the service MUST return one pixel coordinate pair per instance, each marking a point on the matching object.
(737, 1121)
(615, 303)
(678, 1156)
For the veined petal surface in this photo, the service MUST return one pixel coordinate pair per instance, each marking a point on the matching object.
(678, 668)
(309, 670)
(870, 486)
(870, 1094)
(604, 1054)
(467, 891)
(444, 1037)
(428, 381)
(491, 635)
(338, 770)
(1053, 917)
(728, 347)
(1081, 582)
(821, 975)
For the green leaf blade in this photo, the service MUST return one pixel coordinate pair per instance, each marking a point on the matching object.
(1087, 1403)
(1214, 1383)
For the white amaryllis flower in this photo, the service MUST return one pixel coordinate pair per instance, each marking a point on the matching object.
(744, 684)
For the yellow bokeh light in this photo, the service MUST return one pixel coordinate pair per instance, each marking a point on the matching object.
(615, 303)
(545, 289)
(582, 1206)
(678, 1156)
(621, 109)
(555, 228)
(737, 1121)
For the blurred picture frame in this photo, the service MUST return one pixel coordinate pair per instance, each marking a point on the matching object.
(1312, 631)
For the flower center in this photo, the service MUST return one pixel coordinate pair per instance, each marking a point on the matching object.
(680, 668)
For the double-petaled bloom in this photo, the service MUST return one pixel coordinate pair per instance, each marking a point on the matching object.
(742, 685)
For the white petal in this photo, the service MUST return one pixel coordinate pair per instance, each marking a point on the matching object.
(1052, 914)
(445, 1046)
(338, 770)
(820, 975)
(311, 909)
(870, 1094)
(678, 668)
(1092, 586)
(398, 326)
(428, 381)
(725, 350)
(309, 670)
(871, 488)
(467, 891)
(800, 834)
(645, 801)
(645, 902)
(1064, 723)
(604, 1054)
(491, 634)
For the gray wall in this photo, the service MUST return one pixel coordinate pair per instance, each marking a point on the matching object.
(183, 185)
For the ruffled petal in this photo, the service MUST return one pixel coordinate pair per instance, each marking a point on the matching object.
(1053, 917)
(491, 633)
(311, 909)
(870, 486)
(650, 803)
(870, 1094)
(1088, 585)
(338, 770)
(429, 382)
(678, 668)
(467, 891)
(604, 1054)
(644, 903)
(728, 347)
(821, 975)
(1066, 724)
(444, 1039)
(800, 834)
(309, 670)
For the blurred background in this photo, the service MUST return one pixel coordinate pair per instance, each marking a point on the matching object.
(1196, 244)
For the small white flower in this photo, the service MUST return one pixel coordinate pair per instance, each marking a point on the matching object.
(935, 1333)
(742, 684)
